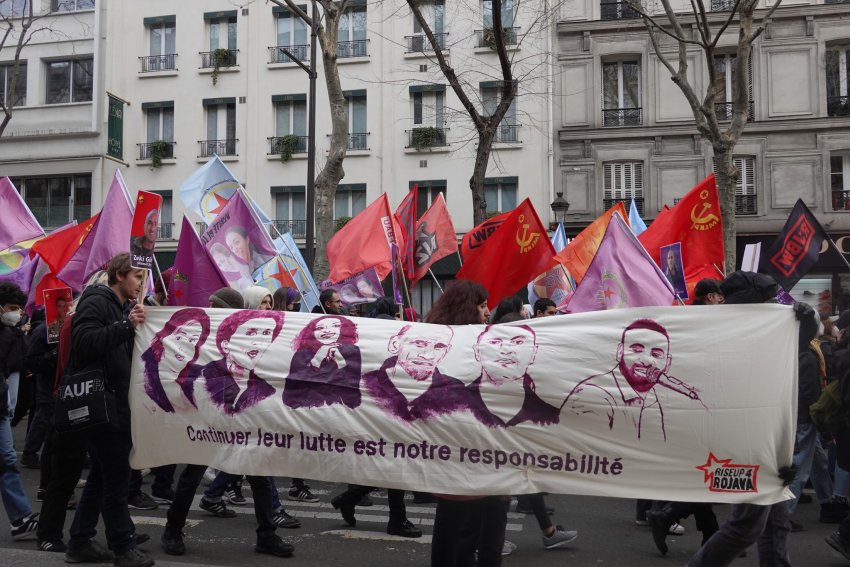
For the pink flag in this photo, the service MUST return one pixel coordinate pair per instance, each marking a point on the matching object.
(195, 275)
(18, 223)
(621, 274)
(109, 236)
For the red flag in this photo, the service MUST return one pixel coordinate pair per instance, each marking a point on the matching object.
(475, 238)
(405, 215)
(365, 242)
(515, 253)
(435, 238)
(60, 246)
(695, 223)
(577, 255)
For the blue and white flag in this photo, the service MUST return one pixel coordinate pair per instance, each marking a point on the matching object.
(559, 239)
(207, 191)
(635, 221)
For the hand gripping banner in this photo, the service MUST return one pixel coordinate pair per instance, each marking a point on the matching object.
(692, 404)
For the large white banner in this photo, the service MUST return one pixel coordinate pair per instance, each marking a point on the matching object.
(676, 403)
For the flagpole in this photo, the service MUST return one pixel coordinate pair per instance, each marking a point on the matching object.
(723, 274)
(161, 279)
(459, 259)
(298, 266)
(399, 266)
(435, 280)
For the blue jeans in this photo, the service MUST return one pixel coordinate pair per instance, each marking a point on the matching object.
(810, 460)
(769, 525)
(11, 488)
(13, 381)
(842, 482)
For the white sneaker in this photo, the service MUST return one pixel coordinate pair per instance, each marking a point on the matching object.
(508, 547)
(676, 529)
(559, 537)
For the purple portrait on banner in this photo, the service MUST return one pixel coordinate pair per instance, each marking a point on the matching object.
(364, 287)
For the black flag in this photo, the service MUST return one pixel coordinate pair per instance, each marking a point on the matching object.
(796, 248)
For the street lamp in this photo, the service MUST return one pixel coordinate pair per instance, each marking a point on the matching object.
(560, 206)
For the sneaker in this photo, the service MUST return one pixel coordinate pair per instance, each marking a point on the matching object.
(53, 546)
(796, 527)
(559, 537)
(660, 521)
(30, 461)
(282, 519)
(141, 501)
(520, 509)
(346, 511)
(40, 494)
(301, 494)
(403, 529)
(508, 547)
(641, 521)
(839, 544)
(25, 528)
(217, 509)
(172, 542)
(234, 496)
(133, 558)
(163, 497)
(89, 552)
(140, 539)
(273, 545)
(676, 529)
(365, 501)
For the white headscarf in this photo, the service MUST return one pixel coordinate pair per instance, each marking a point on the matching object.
(254, 296)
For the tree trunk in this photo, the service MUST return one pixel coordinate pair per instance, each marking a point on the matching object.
(479, 172)
(726, 177)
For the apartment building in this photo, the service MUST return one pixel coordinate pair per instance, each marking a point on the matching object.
(625, 131)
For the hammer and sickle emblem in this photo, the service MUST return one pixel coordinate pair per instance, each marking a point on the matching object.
(83, 237)
(525, 240)
(702, 217)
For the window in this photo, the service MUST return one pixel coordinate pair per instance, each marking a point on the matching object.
(222, 33)
(221, 128)
(434, 13)
(351, 34)
(614, 10)
(426, 193)
(623, 182)
(507, 13)
(722, 5)
(745, 188)
(349, 200)
(69, 81)
(486, 37)
(491, 95)
(293, 34)
(621, 94)
(357, 129)
(162, 38)
(428, 116)
(724, 68)
(7, 73)
(160, 123)
(14, 8)
(165, 230)
(71, 5)
(500, 193)
(839, 181)
(55, 201)
(290, 210)
(290, 113)
(837, 65)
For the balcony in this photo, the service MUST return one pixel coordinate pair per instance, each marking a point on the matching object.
(621, 117)
(487, 37)
(358, 141)
(608, 203)
(838, 106)
(507, 134)
(146, 150)
(427, 137)
(836, 2)
(154, 63)
(745, 205)
(208, 58)
(724, 111)
(277, 144)
(208, 148)
(201, 226)
(841, 200)
(420, 43)
(348, 49)
(722, 5)
(165, 231)
(297, 228)
(617, 11)
(276, 54)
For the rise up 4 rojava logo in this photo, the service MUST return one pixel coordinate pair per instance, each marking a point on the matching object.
(722, 475)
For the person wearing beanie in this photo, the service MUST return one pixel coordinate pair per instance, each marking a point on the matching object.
(707, 292)
(227, 298)
(257, 297)
(286, 299)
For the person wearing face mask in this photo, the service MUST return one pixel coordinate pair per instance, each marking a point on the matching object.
(21, 517)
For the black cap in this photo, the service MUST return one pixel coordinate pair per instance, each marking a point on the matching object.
(706, 286)
(843, 320)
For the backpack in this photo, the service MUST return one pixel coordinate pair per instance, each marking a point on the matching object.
(828, 412)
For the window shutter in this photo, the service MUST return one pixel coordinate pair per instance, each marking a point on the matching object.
(637, 190)
(609, 184)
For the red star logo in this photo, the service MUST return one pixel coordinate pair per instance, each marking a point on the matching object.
(710, 464)
(221, 203)
(283, 276)
(608, 293)
(178, 293)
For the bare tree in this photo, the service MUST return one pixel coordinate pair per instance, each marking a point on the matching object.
(332, 172)
(706, 35)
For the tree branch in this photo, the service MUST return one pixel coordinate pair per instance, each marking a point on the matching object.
(765, 20)
(295, 9)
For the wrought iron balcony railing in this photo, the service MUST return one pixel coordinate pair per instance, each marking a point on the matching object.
(153, 63)
(838, 106)
(507, 133)
(165, 231)
(420, 43)
(617, 11)
(276, 144)
(146, 150)
(724, 110)
(722, 5)
(608, 203)
(421, 137)
(746, 205)
(276, 54)
(208, 59)
(841, 200)
(621, 117)
(358, 140)
(297, 228)
(487, 37)
(356, 48)
(219, 147)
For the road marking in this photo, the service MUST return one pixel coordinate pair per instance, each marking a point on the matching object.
(353, 534)
(154, 521)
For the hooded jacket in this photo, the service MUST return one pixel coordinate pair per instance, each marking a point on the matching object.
(808, 371)
(102, 337)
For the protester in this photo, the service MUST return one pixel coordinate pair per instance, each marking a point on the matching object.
(545, 307)
(102, 337)
(329, 302)
(41, 362)
(286, 299)
(512, 304)
(707, 292)
(257, 297)
(21, 517)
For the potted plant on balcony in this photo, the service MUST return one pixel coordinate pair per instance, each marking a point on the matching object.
(425, 137)
(488, 37)
(158, 150)
(286, 146)
(341, 222)
(221, 57)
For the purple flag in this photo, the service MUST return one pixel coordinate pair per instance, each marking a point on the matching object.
(22, 276)
(364, 287)
(18, 223)
(109, 236)
(238, 242)
(397, 283)
(195, 276)
(621, 274)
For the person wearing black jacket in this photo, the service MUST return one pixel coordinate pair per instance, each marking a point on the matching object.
(41, 361)
(102, 335)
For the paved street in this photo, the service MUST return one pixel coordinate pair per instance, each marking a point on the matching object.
(607, 536)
